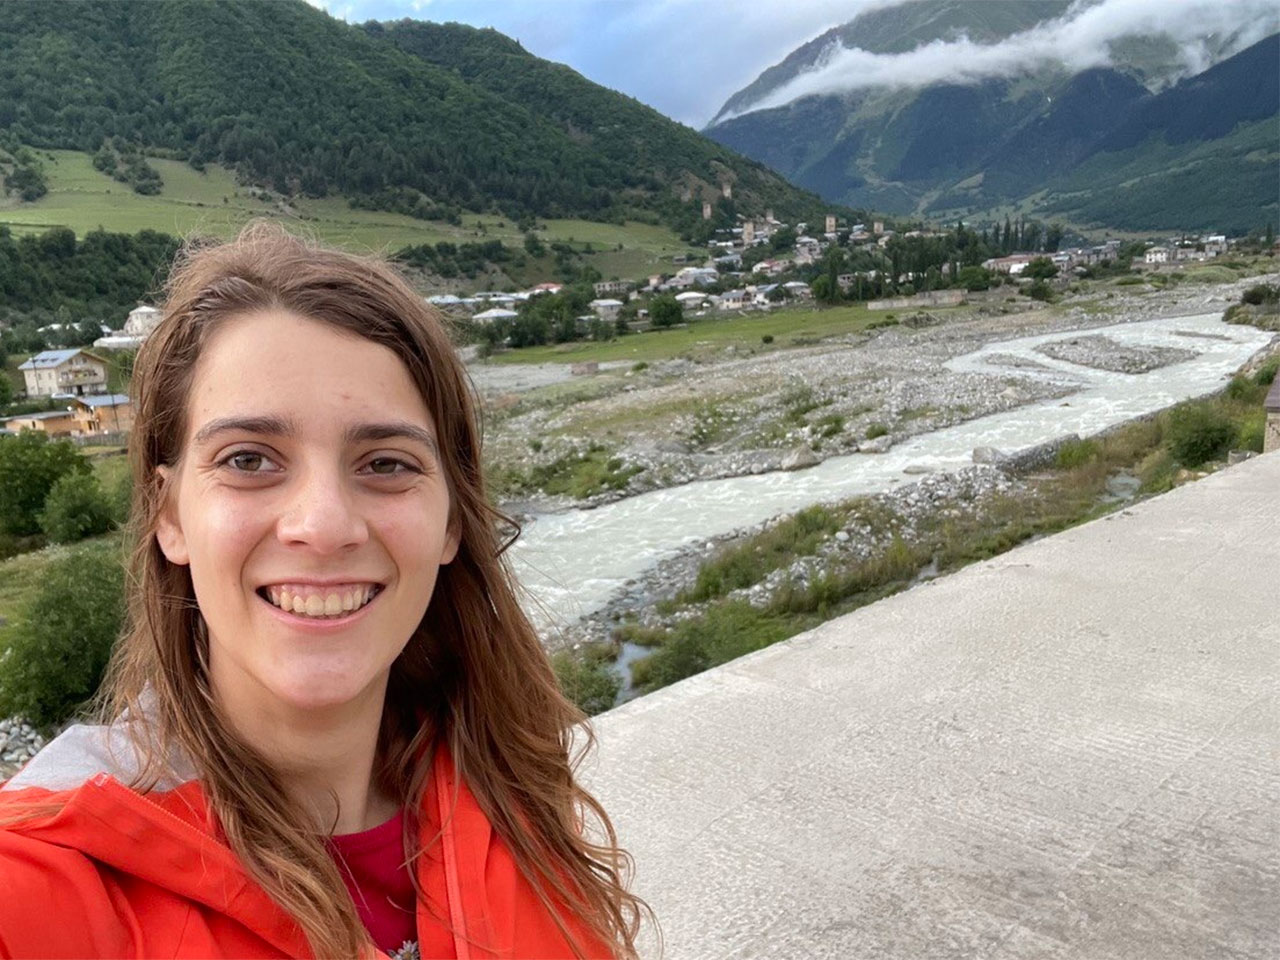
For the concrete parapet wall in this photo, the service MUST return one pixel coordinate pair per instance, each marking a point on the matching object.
(1067, 751)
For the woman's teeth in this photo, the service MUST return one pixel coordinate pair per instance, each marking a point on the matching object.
(323, 602)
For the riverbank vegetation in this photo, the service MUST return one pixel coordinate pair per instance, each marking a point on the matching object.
(787, 579)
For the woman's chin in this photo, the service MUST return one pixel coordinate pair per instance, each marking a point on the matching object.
(307, 693)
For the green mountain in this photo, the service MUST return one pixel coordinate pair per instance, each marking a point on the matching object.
(1103, 147)
(415, 118)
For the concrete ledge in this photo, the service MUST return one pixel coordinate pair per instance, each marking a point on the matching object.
(1069, 751)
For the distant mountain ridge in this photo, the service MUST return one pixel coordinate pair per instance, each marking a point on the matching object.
(953, 150)
(417, 118)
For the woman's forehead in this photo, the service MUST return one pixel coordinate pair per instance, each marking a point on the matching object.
(300, 372)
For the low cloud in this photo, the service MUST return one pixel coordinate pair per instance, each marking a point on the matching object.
(1079, 39)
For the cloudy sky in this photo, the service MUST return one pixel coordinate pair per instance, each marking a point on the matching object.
(682, 57)
(686, 57)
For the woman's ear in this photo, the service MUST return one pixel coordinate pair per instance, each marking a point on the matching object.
(453, 537)
(173, 543)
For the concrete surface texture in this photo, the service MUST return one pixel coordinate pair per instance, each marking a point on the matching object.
(1069, 751)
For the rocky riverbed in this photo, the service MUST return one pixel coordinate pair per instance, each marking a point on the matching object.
(1103, 353)
(625, 429)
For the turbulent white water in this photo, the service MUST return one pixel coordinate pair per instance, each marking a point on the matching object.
(571, 562)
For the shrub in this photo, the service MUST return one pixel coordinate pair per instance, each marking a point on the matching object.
(724, 632)
(1241, 389)
(1252, 431)
(30, 464)
(1198, 433)
(58, 647)
(767, 339)
(1266, 374)
(1039, 290)
(1261, 293)
(876, 430)
(1076, 453)
(77, 507)
(586, 680)
(1156, 471)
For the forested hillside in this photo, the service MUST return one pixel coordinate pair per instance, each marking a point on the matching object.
(398, 118)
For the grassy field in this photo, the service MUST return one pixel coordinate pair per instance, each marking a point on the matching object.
(711, 334)
(211, 202)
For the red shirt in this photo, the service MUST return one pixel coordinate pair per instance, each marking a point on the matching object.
(373, 868)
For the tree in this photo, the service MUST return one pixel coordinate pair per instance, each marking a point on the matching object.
(77, 507)
(58, 648)
(6, 389)
(665, 311)
(1041, 268)
(822, 288)
(974, 279)
(30, 464)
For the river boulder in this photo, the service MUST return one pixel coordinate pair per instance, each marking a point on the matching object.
(799, 458)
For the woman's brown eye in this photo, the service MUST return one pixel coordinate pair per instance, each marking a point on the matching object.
(383, 466)
(248, 462)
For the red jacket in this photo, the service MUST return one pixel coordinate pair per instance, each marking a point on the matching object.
(116, 873)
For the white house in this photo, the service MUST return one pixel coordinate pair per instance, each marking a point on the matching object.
(496, 313)
(691, 299)
(733, 300)
(760, 295)
(797, 289)
(1157, 255)
(138, 325)
(606, 309)
(75, 372)
(769, 268)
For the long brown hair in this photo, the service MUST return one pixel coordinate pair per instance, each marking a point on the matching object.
(473, 675)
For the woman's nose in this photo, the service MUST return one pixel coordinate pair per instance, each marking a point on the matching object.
(322, 513)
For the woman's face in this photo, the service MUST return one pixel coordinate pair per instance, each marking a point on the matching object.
(312, 509)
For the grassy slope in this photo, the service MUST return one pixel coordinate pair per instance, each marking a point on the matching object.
(84, 199)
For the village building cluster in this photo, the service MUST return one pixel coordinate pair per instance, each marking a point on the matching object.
(79, 377)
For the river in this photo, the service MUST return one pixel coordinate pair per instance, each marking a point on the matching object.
(571, 562)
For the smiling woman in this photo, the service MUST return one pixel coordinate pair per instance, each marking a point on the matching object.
(329, 729)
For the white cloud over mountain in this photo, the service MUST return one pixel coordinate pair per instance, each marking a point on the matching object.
(1080, 39)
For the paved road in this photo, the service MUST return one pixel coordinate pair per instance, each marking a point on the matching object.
(1069, 751)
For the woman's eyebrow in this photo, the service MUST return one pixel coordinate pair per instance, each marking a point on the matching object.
(393, 429)
(270, 425)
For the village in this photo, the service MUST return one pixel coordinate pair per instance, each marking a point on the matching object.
(759, 265)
